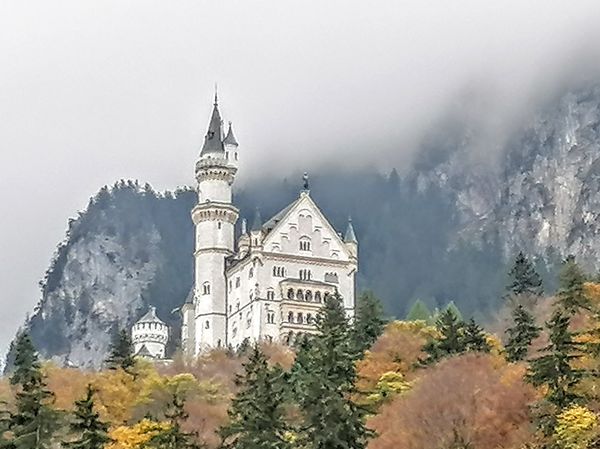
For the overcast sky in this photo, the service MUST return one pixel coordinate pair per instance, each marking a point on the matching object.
(94, 91)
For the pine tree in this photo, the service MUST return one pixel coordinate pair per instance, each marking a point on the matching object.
(173, 436)
(451, 306)
(34, 422)
(368, 323)
(418, 312)
(121, 353)
(555, 369)
(474, 338)
(256, 415)
(571, 296)
(87, 428)
(323, 378)
(524, 279)
(451, 340)
(521, 334)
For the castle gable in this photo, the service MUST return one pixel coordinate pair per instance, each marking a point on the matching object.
(302, 229)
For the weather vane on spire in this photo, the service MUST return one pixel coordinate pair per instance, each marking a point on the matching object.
(305, 179)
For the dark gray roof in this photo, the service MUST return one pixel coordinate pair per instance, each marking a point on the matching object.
(212, 140)
(272, 222)
(144, 352)
(230, 138)
(150, 317)
(350, 236)
(190, 297)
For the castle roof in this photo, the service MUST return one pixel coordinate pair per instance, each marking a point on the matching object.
(272, 222)
(150, 317)
(212, 140)
(190, 297)
(350, 236)
(230, 138)
(144, 352)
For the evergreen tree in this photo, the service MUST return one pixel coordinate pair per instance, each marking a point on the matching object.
(121, 353)
(418, 312)
(256, 415)
(174, 437)
(474, 338)
(521, 334)
(89, 431)
(368, 323)
(452, 307)
(451, 340)
(34, 422)
(524, 279)
(555, 369)
(323, 378)
(570, 295)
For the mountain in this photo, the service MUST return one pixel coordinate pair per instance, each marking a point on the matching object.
(446, 230)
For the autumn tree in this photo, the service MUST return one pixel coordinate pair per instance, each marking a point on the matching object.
(524, 279)
(571, 296)
(323, 379)
(173, 436)
(368, 322)
(121, 352)
(520, 335)
(256, 415)
(88, 430)
(34, 422)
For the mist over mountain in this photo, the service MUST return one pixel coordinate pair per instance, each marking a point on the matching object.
(444, 230)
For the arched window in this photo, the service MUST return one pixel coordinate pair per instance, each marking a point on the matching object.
(251, 294)
(309, 319)
(300, 295)
(308, 295)
(299, 318)
(207, 325)
(318, 296)
(270, 295)
(270, 317)
(331, 277)
(251, 272)
(219, 225)
(290, 293)
(304, 244)
(291, 317)
(206, 288)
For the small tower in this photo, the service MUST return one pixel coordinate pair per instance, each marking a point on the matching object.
(214, 218)
(350, 240)
(149, 336)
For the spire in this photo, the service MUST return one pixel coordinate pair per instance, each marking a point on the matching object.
(212, 140)
(350, 236)
(257, 223)
(306, 186)
(230, 138)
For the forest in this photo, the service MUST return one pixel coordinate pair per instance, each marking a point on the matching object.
(434, 381)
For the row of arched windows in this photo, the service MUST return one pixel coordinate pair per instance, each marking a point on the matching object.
(279, 272)
(300, 318)
(306, 295)
(305, 275)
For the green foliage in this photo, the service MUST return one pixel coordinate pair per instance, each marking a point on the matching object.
(256, 414)
(520, 334)
(474, 338)
(571, 296)
(419, 311)
(524, 278)
(452, 307)
(34, 422)
(173, 436)
(323, 378)
(555, 368)
(87, 427)
(368, 323)
(121, 353)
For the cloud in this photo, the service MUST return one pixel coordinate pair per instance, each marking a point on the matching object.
(95, 91)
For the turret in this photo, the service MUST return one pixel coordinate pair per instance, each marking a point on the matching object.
(231, 146)
(149, 336)
(350, 239)
(244, 241)
(256, 232)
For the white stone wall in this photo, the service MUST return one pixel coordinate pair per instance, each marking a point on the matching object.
(214, 190)
(152, 335)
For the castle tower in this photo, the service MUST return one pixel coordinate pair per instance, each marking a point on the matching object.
(149, 336)
(214, 218)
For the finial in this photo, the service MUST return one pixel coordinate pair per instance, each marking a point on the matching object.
(244, 227)
(305, 179)
(216, 95)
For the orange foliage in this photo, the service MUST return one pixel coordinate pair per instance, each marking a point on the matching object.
(68, 384)
(479, 397)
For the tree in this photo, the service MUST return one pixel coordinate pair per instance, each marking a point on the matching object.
(323, 378)
(121, 353)
(89, 431)
(418, 311)
(450, 341)
(524, 279)
(34, 422)
(571, 296)
(474, 338)
(521, 334)
(368, 323)
(555, 369)
(256, 415)
(173, 436)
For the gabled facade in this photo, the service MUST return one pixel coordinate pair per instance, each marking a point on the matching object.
(271, 283)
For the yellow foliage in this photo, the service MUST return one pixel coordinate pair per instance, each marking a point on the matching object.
(134, 437)
(575, 427)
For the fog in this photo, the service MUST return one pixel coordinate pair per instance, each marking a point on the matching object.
(91, 92)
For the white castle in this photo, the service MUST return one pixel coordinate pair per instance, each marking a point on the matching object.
(272, 283)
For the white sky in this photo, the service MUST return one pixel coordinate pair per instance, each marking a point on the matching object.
(94, 91)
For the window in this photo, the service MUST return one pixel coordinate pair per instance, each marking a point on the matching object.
(270, 295)
(305, 275)
(234, 332)
(300, 295)
(290, 293)
(308, 296)
(291, 317)
(206, 288)
(304, 245)
(299, 318)
(331, 277)
(251, 272)
(237, 306)
(318, 296)
(230, 308)
(207, 325)
(278, 272)
(269, 338)
(237, 282)
(219, 225)
(251, 294)
(230, 285)
(270, 317)
(310, 319)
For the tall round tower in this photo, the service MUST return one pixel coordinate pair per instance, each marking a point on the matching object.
(214, 217)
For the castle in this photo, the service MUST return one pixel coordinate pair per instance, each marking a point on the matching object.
(271, 283)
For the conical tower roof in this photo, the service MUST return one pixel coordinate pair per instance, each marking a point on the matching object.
(350, 236)
(230, 138)
(212, 140)
(150, 317)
